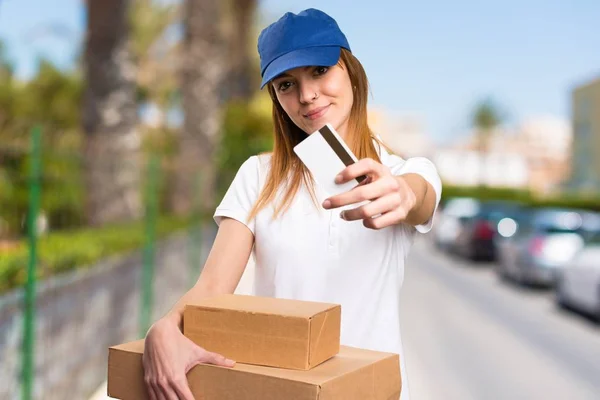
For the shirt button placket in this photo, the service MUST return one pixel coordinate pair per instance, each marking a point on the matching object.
(334, 220)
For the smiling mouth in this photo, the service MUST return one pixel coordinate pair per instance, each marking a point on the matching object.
(316, 113)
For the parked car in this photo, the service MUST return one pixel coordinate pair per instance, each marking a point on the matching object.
(578, 285)
(545, 240)
(448, 218)
(476, 235)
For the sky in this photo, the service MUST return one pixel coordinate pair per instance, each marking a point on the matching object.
(433, 59)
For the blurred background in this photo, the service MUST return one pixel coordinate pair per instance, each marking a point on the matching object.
(123, 122)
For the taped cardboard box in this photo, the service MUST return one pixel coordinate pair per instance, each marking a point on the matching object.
(265, 331)
(353, 374)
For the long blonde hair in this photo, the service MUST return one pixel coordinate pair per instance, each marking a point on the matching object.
(286, 168)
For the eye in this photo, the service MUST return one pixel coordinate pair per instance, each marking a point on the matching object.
(321, 70)
(283, 86)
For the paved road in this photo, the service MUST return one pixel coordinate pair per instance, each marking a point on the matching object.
(468, 336)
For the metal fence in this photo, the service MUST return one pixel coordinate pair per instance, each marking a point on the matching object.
(193, 231)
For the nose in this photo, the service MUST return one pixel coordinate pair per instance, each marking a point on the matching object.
(307, 92)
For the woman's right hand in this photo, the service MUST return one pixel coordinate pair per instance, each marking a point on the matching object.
(168, 357)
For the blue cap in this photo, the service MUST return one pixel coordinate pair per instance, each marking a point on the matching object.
(310, 37)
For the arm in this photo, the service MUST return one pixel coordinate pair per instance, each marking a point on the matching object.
(223, 269)
(168, 354)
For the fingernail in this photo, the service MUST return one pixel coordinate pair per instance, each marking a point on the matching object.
(230, 362)
(338, 179)
(342, 216)
(326, 204)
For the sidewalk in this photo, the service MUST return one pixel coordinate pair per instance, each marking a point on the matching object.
(244, 287)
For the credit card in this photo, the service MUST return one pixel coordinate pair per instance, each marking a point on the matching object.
(326, 155)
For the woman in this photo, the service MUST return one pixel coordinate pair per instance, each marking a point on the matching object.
(307, 245)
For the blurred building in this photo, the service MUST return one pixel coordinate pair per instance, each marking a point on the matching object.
(546, 143)
(535, 155)
(585, 174)
(460, 163)
(404, 133)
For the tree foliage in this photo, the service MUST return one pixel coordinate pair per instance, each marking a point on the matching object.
(51, 99)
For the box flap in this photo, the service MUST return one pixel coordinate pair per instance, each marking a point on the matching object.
(264, 305)
(214, 383)
(324, 336)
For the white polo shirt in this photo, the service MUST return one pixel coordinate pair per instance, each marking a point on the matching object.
(312, 254)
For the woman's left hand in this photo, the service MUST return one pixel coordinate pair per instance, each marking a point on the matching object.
(389, 195)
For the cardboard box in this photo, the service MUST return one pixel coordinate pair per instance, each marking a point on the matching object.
(265, 331)
(353, 374)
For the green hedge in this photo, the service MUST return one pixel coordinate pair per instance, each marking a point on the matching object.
(67, 250)
(486, 193)
(567, 200)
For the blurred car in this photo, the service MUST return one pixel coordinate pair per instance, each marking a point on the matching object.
(448, 223)
(545, 240)
(476, 235)
(578, 285)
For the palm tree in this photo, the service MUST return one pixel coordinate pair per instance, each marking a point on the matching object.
(243, 73)
(486, 118)
(112, 143)
(155, 53)
(216, 67)
(203, 72)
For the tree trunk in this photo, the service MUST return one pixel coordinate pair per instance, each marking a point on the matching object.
(112, 144)
(242, 81)
(203, 72)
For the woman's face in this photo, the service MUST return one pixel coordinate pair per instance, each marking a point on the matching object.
(314, 96)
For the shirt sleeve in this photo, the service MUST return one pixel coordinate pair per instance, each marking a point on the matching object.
(241, 195)
(425, 168)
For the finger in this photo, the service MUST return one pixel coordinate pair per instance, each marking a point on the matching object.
(366, 166)
(151, 392)
(183, 390)
(162, 391)
(387, 219)
(172, 393)
(371, 191)
(366, 181)
(168, 393)
(159, 393)
(380, 206)
(148, 385)
(151, 387)
(217, 359)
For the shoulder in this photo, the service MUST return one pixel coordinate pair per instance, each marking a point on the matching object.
(263, 160)
(253, 172)
(255, 163)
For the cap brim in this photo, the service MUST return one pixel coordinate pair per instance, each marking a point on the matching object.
(318, 56)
